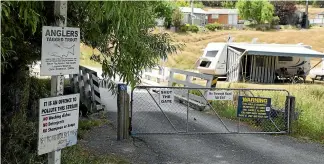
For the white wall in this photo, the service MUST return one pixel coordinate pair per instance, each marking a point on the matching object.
(232, 19)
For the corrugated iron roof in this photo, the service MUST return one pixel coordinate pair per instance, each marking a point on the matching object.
(195, 10)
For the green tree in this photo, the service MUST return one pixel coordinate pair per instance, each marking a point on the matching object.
(228, 4)
(258, 11)
(177, 18)
(121, 31)
(186, 3)
(164, 9)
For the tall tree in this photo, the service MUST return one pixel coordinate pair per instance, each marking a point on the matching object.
(284, 10)
(120, 30)
(186, 3)
(258, 11)
(228, 4)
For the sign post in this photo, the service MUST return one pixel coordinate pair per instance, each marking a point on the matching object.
(60, 56)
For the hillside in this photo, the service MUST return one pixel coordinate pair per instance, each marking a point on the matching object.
(194, 43)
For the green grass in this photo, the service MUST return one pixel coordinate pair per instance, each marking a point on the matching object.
(309, 107)
(78, 155)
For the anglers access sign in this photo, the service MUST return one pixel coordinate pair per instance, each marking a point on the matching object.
(60, 51)
(58, 122)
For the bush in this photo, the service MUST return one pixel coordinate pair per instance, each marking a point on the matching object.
(20, 118)
(184, 28)
(213, 26)
(193, 28)
(275, 21)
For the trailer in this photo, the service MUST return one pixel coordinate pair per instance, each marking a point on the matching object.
(261, 63)
(317, 73)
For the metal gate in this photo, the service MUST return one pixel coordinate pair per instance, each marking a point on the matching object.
(182, 110)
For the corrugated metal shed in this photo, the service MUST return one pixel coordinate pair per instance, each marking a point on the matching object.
(222, 11)
(278, 50)
(195, 10)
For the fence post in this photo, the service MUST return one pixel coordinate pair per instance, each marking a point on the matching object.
(170, 78)
(126, 117)
(122, 112)
(289, 112)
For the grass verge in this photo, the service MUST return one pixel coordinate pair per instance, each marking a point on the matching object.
(309, 107)
(78, 155)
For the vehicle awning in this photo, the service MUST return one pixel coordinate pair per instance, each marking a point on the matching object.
(278, 50)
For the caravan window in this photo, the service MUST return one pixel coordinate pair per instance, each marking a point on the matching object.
(211, 53)
(285, 58)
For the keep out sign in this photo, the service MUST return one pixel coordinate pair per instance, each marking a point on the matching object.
(166, 96)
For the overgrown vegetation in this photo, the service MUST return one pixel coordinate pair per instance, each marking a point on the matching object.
(309, 108)
(125, 48)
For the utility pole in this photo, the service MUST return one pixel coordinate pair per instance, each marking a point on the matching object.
(57, 82)
(192, 12)
(306, 15)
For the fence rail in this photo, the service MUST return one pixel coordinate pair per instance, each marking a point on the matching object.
(87, 84)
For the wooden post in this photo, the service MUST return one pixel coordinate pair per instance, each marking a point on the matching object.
(122, 111)
(126, 117)
(291, 113)
(57, 82)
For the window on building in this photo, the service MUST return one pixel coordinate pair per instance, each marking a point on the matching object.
(285, 58)
(211, 53)
(214, 16)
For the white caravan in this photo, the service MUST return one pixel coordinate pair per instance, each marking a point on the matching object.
(262, 61)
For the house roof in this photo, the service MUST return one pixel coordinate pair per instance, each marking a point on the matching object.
(278, 50)
(195, 10)
(222, 11)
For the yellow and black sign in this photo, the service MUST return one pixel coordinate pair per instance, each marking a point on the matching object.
(253, 107)
(214, 82)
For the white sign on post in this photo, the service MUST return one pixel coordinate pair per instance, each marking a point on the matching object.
(60, 51)
(220, 95)
(58, 122)
(166, 96)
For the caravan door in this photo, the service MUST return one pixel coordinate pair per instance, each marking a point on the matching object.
(233, 64)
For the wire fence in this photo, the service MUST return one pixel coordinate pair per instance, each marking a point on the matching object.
(181, 110)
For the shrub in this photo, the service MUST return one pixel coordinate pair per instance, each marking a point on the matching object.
(20, 118)
(275, 21)
(214, 26)
(184, 28)
(193, 28)
(211, 27)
